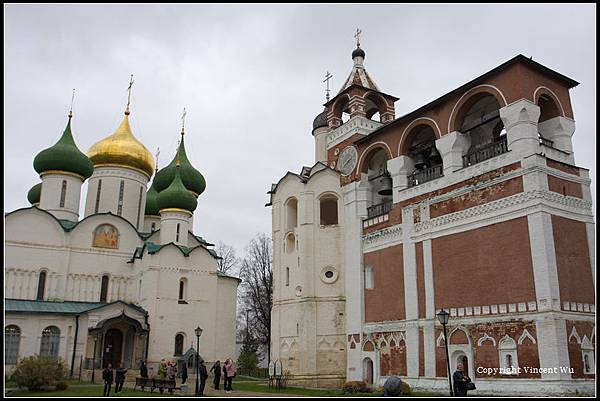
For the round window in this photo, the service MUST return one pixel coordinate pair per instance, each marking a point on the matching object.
(329, 275)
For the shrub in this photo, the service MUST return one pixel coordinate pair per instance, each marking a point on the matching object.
(406, 390)
(62, 385)
(35, 372)
(356, 387)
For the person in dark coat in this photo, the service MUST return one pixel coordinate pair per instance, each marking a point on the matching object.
(203, 377)
(119, 377)
(460, 381)
(143, 370)
(108, 377)
(184, 374)
(216, 368)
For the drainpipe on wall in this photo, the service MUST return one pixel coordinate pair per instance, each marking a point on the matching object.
(147, 337)
(74, 344)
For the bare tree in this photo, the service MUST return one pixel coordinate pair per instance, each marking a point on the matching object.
(229, 262)
(257, 288)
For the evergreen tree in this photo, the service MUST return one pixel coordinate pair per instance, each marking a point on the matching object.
(248, 358)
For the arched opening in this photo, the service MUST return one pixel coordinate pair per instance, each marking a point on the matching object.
(380, 182)
(291, 208)
(290, 243)
(179, 340)
(464, 361)
(479, 118)
(368, 370)
(50, 342)
(104, 289)
(12, 340)
(113, 346)
(41, 286)
(419, 145)
(182, 291)
(328, 210)
(374, 106)
(341, 109)
(548, 108)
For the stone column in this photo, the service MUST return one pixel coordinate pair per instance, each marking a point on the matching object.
(399, 169)
(559, 130)
(553, 347)
(543, 257)
(520, 120)
(355, 210)
(452, 147)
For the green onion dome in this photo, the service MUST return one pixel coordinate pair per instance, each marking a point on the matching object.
(192, 179)
(152, 202)
(64, 156)
(176, 195)
(33, 196)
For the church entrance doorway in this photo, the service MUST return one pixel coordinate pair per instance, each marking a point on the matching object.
(368, 370)
(465, 362)
(113, 346)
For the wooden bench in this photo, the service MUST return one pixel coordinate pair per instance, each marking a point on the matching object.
(160, 384)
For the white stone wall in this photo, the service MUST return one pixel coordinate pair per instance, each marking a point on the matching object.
(50, 195)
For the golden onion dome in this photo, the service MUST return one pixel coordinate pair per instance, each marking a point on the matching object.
(122, 149)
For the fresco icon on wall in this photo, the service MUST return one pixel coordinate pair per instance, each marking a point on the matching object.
(106, 236)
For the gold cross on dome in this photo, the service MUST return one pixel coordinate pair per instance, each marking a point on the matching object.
(357, 36)
(157, 154)
(129, 94)
(71, 108)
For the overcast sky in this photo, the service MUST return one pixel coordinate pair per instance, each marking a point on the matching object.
(251, 78)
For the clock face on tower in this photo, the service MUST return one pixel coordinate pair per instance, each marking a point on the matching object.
(347, 160)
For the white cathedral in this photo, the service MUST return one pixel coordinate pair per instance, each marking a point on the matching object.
(130, 281)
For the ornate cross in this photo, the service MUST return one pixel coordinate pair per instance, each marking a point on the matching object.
(357, 36)
(157, 154)
(71, 108)
(183, 120)
(129, 90)
(327, 78)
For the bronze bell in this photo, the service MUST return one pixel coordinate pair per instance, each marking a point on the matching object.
(420, 162)
(435, 157)
(385, 184)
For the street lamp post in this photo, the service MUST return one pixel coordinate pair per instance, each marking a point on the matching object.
(94, 360)
(443, 318)
(198, 332)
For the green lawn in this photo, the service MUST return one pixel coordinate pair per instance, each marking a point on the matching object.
(84, 391)
(263, 388)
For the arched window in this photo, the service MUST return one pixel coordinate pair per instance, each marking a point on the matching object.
(12, 339)
(120, 203)
(50, 341)
(182, 291)
(548, 108)
(104, 289)
(369, 277)
(179, 344)
(290, 243)
(379, 181)
(98, 196)
(291, 214)
(328, 210)
(507, 349)
(153, 228)
(41, 286)
(63, 193)
(419, 145)
(587, 350)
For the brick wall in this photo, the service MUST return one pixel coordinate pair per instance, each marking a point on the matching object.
(573, 260)
(386, 300)
(485, 266)
(565, 187)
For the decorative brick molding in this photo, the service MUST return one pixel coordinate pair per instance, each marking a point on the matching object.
(498, 309)
(578, 307)
(387, 236)
(360, 125)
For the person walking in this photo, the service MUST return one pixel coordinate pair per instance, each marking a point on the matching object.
(184, 374)
(216, 368)
(119, 378)
(108, 377)
(461, 381)
(171, 370)
(203, 377)
(231, 372)
(143, 369)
